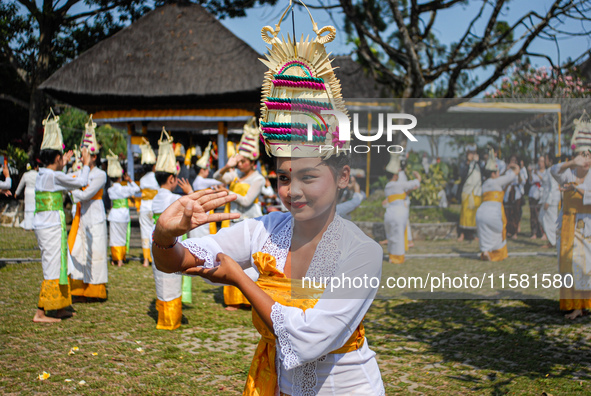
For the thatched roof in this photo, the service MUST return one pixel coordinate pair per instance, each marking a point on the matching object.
(176, 55)
(355, 82)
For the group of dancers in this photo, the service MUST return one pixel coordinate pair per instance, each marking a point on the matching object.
(559, 198)
(76, 265)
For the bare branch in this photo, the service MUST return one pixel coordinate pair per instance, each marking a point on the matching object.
(436, 5)
(320, 7)
(92, 13)
(14, 100)
(418, 82)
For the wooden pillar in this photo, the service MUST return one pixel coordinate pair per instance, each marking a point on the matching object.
(130, 128)
(222, 143)
(367, 174)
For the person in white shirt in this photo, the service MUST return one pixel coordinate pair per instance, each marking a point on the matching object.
(536, 180)
(345, 208)
(90, 269)
(397, 213)
(50, 229)
(149, 187)
(471, 194)
(27, 184)
(549, 203)
(6, 185)
(170, 288)
(119, 219)
(491, 221)
(513, 199)
(310, 343)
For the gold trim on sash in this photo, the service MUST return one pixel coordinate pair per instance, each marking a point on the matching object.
(496, 196)
(148, 194)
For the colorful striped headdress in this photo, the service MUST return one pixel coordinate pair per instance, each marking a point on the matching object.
(77, 165)
(89, 139)
(249, 143)
(581, 140)
(299, 85)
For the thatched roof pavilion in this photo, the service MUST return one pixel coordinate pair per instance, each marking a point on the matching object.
(177, 56)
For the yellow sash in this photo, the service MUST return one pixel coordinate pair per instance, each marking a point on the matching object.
(262, 376)
(497, 196)
(396, 197)
(76, 220)
(148, 194)
(240, 189)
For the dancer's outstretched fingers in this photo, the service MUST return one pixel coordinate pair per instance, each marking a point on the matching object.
(217, 202)
(185, 222)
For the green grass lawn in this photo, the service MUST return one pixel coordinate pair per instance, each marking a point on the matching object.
(431, 347)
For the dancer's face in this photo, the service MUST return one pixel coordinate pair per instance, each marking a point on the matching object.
(245, 165)
(308, 187)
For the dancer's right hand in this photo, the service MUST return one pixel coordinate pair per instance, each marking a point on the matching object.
(581, 160)
(85, 154)
(66, 157)
(189, 212)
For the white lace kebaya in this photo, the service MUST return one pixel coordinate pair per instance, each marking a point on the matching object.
(305, 365)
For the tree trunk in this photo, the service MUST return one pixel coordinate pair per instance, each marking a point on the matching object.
(37, 103)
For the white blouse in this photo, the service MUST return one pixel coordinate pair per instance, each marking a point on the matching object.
(305, 339)
(399, 187)
(163, 200)
(118, 191)
(49, 180)
(148, 181)
(92, 211)
(245, 205)
(499, 183)
(569, 176)
(28, 184)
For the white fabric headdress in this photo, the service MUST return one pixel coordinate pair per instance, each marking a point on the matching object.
(203, 162)
(148, 156)
(52, 134)
(90, 139)
(166, 161)
(249, 143)
(298, 86)
(394, 164)
(114, 168)
(491, 163)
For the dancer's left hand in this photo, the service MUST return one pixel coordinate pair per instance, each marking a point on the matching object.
(192, 211)
(228, 272)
